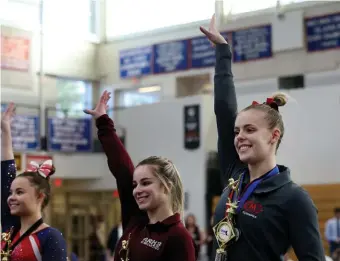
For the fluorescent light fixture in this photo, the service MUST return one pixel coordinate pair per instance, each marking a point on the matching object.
(149, 89)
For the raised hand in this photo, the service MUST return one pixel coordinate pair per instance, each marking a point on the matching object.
(101, 106)
(7, 116)
(213, 34)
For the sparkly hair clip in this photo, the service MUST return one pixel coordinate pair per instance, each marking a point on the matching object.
(43, 170)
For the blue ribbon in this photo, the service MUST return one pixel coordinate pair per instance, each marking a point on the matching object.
(252, 186)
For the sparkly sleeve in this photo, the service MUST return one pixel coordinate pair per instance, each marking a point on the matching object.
(8, 172)
(53, 245)
(120, 165)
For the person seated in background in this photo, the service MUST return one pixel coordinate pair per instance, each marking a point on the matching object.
(332, 231)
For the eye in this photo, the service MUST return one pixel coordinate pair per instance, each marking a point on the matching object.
(146, 183)
(236, 132)
(250, 130)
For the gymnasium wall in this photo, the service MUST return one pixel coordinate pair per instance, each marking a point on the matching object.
(63, 55)
(288, 44)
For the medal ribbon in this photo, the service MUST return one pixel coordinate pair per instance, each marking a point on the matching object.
(27, 233)
(249, 189)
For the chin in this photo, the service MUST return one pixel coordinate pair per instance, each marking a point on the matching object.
(15, 213)
(144, 207)
(247, 159)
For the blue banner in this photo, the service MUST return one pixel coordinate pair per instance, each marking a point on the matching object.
(322, 33)
(69, 135)
(25, 131)
(202, 52)
(171, 56)
(135, 62)
(252, 43)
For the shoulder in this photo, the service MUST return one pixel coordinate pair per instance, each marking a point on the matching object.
(180, 239)
(330, 221)
(179, 234)
(299, 199)
(50, 234)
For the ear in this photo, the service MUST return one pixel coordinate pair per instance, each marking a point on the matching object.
(41, 197)
(276, 134)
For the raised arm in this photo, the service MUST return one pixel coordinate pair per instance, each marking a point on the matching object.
(225, 103)
(8, 170)
(119, 161)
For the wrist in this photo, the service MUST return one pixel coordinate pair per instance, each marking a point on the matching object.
(5, 128)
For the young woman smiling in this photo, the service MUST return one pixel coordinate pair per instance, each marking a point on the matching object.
(151, 198)
(262, 212)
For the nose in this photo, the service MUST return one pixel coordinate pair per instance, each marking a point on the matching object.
(137, 190)
(11, 198)
(240, 136)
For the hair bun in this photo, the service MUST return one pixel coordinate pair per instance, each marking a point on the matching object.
(280, 98)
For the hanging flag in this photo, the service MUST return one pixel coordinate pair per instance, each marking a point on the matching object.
(191, 127)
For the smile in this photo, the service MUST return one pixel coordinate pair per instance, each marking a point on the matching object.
(141, 199)
(243, 148)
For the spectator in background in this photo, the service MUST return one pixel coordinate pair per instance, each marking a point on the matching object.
(73, 257)
(192, 227)
(332, 231)
(209, 240)
(97, 249)
(336, 255)
(112, 241)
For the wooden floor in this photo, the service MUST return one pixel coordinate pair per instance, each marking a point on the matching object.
(326, 198)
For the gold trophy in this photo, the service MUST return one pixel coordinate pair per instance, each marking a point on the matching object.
(6, 253)
(125, 247)
(224, 230)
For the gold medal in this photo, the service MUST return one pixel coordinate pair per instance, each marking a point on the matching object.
(125, 248)
(6, 253)
(224, 232)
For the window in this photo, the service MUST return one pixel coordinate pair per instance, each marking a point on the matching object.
(94, 17)
(292, 82)
(153, 14)
(140, 96)
(243, 6)
(76, 18)
(73, 97)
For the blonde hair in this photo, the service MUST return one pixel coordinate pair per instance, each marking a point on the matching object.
(273, 116)
(169, 176)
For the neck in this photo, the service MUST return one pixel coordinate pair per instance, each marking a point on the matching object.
(27, 221)
(259, 169)
(159, 214)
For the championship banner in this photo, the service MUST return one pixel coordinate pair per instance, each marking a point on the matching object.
(70, 135)
(192, 127)
(15, 53)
